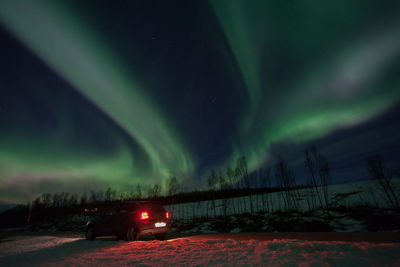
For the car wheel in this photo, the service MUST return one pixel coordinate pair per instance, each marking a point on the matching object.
(131, 234)
(90, 235)
(160, 236)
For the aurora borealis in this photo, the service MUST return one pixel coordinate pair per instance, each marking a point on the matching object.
(97, 94)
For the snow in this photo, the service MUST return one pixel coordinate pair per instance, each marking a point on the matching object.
(65, 251)
(28, 244)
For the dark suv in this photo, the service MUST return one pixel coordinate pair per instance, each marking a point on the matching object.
(129, 220)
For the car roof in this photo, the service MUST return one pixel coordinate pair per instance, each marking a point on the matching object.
(139, 202)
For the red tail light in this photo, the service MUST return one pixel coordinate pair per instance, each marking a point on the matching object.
(167, 215)
(144, 215)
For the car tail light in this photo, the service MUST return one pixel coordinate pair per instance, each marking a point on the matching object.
(144, 215)
(167, 215)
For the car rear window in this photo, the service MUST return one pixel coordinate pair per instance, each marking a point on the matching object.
(152, 207)
(129, 207)
(132, 207)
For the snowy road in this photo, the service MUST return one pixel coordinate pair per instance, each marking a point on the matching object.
(270, 249)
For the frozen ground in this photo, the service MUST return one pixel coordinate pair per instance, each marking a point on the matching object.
(203, 250)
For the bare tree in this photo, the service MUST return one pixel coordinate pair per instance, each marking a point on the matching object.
(124, 195)
(139, 191)
(108, 194)
(73, 200)
(100, 195)
(230, 174)
(318, 166)
(286, 180)
(173, 186)
(222, 182)
(270, 204)
(46, 199)
(83, 200)
(56, 199)
(325, 177)
(377, 171)
(312, 181)
(264, 182)
(211, 182)
(37, 203)
(223, 187)
(64, 198)
(244, 174)
(93, 197)
(155, 190)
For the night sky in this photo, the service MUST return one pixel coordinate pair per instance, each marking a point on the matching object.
(115, 93)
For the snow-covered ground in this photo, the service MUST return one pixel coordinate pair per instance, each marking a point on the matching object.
(199, 251)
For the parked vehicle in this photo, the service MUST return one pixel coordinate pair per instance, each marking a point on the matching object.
(130, 220)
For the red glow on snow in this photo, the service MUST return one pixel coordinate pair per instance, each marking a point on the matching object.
(203, 250)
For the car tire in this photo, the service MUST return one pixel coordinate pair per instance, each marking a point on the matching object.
(131, 234)
(160, 236)
(90, 234)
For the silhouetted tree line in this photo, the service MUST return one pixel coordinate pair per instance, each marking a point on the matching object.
(223, 185)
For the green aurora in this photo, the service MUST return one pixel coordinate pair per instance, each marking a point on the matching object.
(97, 71)
(344, 91)
(306, 70)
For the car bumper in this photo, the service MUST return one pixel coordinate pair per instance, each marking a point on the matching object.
(150, 229)
(153, 231)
